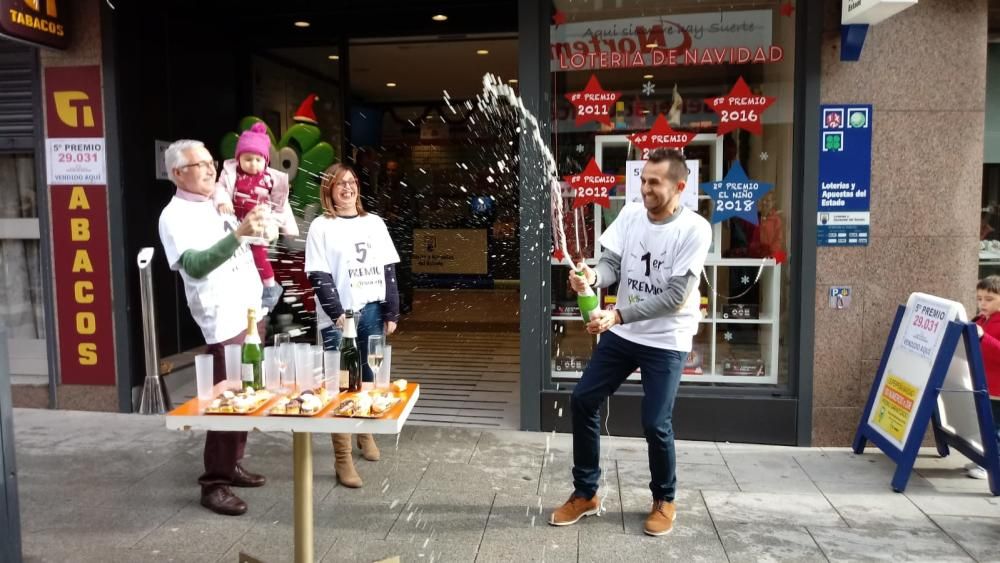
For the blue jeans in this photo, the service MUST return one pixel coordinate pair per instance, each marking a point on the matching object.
(614, 360)
(369, 322)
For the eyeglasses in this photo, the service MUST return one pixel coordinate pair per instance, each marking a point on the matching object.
(203, 165)
(347, 184)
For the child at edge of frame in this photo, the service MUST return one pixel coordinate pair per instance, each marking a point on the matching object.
(988, 324)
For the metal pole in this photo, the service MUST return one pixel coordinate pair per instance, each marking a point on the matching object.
(154, 395)
(10, 520)
(302, 456)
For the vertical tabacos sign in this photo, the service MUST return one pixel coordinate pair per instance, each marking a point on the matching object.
(74, 128)
(39, 22)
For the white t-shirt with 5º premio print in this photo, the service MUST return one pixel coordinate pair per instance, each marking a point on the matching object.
(219, 301)
(652, 254)
(355, 251)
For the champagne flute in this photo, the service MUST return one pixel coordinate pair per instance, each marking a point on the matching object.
(376, 352)
(283, 351)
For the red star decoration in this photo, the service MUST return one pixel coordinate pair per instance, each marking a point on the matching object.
(661, 135)
(558, 18)
(558, 255)
(780, 257)
(786, 9)
(593, 103)
(740, 109)
(591, 186)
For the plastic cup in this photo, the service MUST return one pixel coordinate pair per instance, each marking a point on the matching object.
(286, 365)
(331, 370)
(234, 356)
(204, 374)
(317, 358)
(272, 377)
(382, 377)
(303, 366)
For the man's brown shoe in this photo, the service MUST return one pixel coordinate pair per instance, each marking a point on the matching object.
(574, 509)
(243, 478)
(660, 521)
(221, 500)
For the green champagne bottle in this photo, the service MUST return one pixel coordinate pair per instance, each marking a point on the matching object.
(253, 356)
(350, 357)
(586, 301)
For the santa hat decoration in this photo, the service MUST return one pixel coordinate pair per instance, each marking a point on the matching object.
(255, 140)
(305, 113)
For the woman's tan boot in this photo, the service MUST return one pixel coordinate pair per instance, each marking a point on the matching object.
(343, 463)
(369, 449)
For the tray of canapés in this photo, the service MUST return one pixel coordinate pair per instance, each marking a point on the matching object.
(242, 402)
(302, 403)
(372, 403)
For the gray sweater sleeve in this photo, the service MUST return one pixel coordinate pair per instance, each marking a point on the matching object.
(608, 268)
(677, 291)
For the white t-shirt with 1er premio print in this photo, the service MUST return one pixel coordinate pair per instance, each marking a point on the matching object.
(355, 251)
(219, 301)
(652, 254)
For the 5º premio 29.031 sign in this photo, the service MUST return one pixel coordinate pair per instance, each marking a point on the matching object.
(39, 22)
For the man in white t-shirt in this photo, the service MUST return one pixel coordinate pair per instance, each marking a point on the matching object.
(655, 252)
(221, 283)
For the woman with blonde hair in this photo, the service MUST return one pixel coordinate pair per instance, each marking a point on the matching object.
(350, 261)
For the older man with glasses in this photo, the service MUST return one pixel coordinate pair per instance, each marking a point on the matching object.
(221, 283)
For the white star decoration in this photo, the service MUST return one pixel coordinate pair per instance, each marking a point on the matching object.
(648, 88)
(763, 156)
(745, 280)
(579, 148)
(728, 336)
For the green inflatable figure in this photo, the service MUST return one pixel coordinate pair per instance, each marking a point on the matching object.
(301, 153)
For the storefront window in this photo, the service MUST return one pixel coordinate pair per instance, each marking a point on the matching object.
(21, 307)
(659, 70)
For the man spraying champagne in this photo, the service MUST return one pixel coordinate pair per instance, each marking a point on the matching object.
(656, 254)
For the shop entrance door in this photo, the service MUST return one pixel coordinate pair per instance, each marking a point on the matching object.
(445, 181)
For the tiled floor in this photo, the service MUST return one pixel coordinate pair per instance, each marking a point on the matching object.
(109, 487)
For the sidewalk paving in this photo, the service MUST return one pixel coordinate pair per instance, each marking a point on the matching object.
(111, 487)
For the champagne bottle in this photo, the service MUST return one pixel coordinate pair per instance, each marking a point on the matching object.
(586, 301)
(252, 356)
(350, 357)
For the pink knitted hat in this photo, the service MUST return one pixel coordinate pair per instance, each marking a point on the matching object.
(255, 140)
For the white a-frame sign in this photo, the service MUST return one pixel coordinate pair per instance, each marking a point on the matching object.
(931, 372)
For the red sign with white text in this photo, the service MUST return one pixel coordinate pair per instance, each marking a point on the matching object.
(82, 267)
(740, 109)
(591, 186)
(593, 103)
(661, 135)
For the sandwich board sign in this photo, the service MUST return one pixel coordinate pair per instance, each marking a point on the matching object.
(931, 372)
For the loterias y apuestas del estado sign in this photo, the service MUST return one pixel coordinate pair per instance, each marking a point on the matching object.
(39, 22)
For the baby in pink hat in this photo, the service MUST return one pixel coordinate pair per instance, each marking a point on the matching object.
(246, 182)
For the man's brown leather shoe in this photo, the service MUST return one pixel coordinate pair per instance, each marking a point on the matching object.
(661, 518)
(574, 509)
(221, 500)
(243, 478)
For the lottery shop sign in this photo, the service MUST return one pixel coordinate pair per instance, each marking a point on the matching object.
(39, 22)
(714, 38)
(81, 254)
